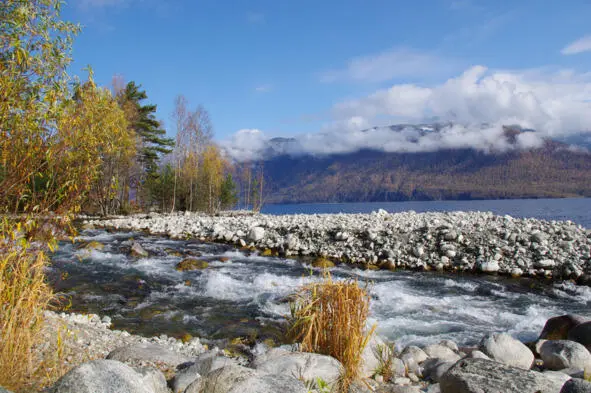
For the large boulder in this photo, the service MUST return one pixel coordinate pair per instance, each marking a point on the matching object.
(561, 354)
(557, 328)
(581, 334)
(505, 349)
(487, 376)
(280, 383)
(153, 377)
(224, 379)
(148, 352)
(576, 385)
(307, 366)
(104, 376)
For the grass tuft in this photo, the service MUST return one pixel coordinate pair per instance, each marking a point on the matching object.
(330, 318)
(24, 295)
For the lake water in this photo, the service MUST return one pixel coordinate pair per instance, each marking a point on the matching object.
(575, 209)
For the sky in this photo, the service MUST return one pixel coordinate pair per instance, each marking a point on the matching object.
(325, 70)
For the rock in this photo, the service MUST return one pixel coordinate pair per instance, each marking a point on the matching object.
(272, 383)
(434, 368)
(94, 245)
(441, 352)
(103, 376)
(412, 356)
(153, 377)
(478, 355)
(418, 251)
(184, 377)
(256, 234)
(191, 264)
(204, 364)
(486, 376)
(308, 366)
(323, 263)
(581, 334)
(561, 354)
(224, 379)
(545, 264)
(148, 352)
(504, 348)
(138, 251)
(400, 389)
(489, 267)
(398, 368)
(450, 344)
(370, 357)
(576, 385)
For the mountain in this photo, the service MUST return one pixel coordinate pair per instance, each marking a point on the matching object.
(553, 170)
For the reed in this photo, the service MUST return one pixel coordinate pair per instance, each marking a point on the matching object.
(330, 318)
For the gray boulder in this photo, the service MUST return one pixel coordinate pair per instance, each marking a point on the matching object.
(487, 376)
(434, 368)
(450, 344)
(478, 355)
(557, 328)
(148, 352)
(280, 383)
(561, 354)
(304, 365)
(505, 349)
(153, 377)
(576, 385)
(581, 334)
(441, 352)
(201, 365)
(104, 376)
(370, 357)
(224, 379)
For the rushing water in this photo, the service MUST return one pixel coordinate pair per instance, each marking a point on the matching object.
(577, 210)
(248, 294)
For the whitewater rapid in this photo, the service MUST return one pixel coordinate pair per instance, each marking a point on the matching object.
(247, 294)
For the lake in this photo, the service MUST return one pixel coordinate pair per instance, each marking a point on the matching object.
(575, 209)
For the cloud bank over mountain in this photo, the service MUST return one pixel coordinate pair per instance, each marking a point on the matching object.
(470, 110)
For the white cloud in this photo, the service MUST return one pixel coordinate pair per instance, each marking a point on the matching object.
(246, 144)
(477, 104)
(263, 88)
(388, 65)
(581, 45)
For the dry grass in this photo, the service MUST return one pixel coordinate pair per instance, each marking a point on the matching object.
(330, 318)
(24, 295)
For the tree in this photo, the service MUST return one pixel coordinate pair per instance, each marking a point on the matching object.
(228, 193)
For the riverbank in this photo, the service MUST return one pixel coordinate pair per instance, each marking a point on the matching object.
(477, 242)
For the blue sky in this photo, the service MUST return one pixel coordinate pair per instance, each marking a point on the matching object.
(289, 67)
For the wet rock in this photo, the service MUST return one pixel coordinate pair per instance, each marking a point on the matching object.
(581, 333)
(576, 385)
(322, 263)
(188, 264)
(138, 251)
(486, 376)
(104, 376)
(561, 354)
(148, 352)
(308, 366)
(504, 348)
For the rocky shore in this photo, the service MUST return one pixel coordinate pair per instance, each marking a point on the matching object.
(457, 241)
(117, 362)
